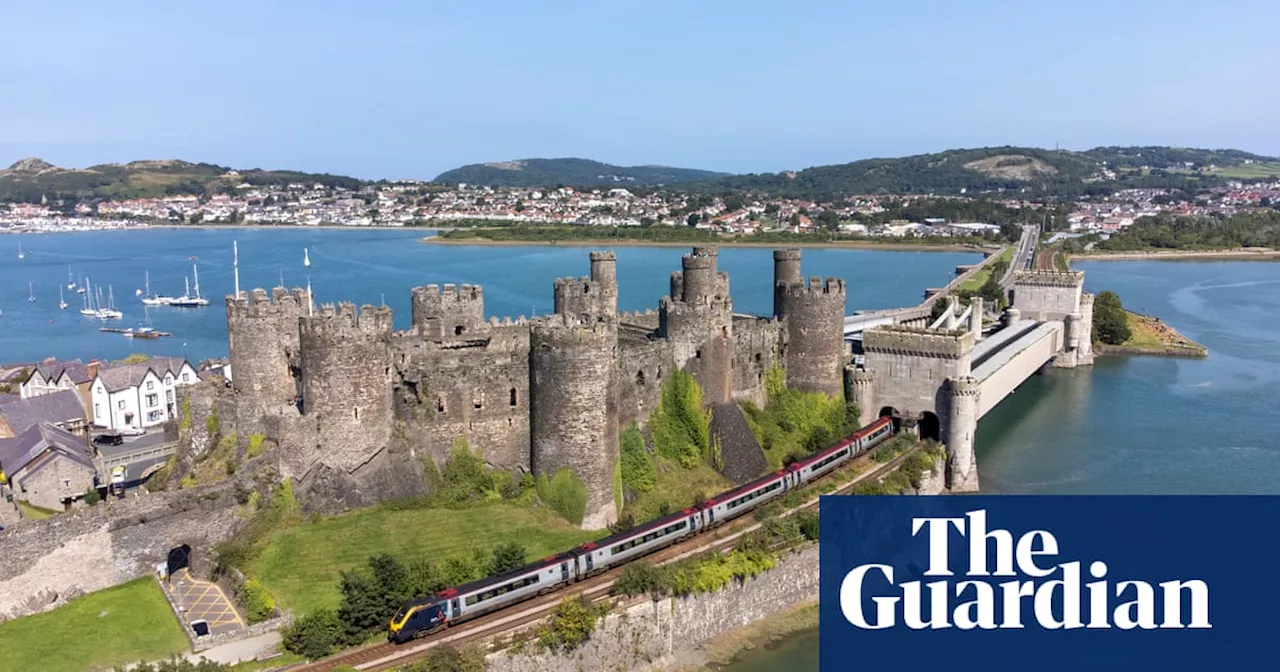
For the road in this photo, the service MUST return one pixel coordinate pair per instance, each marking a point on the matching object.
(1024, 254)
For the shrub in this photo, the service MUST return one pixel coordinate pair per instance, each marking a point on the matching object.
(1110, 322)
(254, 448)
(571, 624)
(315, 635)
(211, 423)
(507, 557)
(92, 497)
(639, 578)
(638, 470)
(681, 429)
(809, 524)
(565, 493)
(258, 603)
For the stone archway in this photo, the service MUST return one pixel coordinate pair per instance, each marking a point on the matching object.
(891, 412)
(179, 558)
(930, 427)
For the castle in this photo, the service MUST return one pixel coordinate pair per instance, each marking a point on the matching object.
(356, 406)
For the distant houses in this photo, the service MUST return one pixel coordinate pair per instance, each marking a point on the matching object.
(138, 396)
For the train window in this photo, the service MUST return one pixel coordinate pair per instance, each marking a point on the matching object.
(754, 495)
(828, 460)
(632, 543)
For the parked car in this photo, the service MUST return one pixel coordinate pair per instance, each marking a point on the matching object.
(108, 439)
(132, 431)
(200, 627)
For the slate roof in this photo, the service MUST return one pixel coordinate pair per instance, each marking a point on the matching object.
(56, 408)
(118, 378)
(18, 452)
(75, 368)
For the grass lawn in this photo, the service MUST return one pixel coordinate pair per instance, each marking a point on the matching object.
(300, 565)
(1247, 171)
(1149, 332)
(678, 487)
(118, 625)
(976, 282)
(33, 512)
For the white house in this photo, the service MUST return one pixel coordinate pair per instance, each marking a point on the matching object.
(141, 395)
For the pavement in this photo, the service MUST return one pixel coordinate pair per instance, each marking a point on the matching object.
(202, 600)
(251, 648)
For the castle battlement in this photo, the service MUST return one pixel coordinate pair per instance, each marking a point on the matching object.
(1049, 278)
(712, 304)
(256, 303)
(816, 286)
(917, 341)
(451, 292)
(345, 317)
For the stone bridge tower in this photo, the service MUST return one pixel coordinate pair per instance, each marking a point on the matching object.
(346, 388)
(262, 335)
(1058, 296)
(814, 318)
(573, 371)
(698, 320)
(909, 374)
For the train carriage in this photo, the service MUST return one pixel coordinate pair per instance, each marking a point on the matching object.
(738, 501)
(477, 598)
(595, 556)
(827, 460)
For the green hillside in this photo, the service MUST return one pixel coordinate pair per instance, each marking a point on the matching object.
(29, 180)
(570, 172)
(1027, 171)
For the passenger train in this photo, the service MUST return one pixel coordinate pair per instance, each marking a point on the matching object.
(430, 614)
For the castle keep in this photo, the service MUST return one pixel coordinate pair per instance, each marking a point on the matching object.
(357, 406)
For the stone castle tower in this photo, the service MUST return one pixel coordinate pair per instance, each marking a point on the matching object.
(358, 407)
(814, 314)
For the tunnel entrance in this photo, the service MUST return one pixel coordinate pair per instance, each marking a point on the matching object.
(930, 427)
(891, 412)
(179, 558)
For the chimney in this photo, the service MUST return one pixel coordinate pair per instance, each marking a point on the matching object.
(92, 368)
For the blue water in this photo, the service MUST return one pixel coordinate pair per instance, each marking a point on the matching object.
(366, 266)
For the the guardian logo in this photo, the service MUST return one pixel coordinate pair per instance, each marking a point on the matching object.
(1040, 587)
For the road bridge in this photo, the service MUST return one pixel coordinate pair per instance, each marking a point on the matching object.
(938, 375)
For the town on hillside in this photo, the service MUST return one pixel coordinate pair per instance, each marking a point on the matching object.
(411, 203)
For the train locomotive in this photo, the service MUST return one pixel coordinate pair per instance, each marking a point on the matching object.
(433, 613)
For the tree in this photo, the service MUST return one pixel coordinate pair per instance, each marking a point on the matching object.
(1110, 321)
(795, 219)
(830, 219)
(507, 557)
(693, 219)
(91, 496)
(314, 635)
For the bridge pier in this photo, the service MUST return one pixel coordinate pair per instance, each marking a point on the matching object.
(962, 463)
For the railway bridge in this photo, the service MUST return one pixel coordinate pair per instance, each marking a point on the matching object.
(938, 375)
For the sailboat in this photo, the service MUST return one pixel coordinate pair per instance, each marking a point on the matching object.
(31, 291)
(154, 299)
(306, 258)
(143, 332)
(20, 254)
(187, 300)
(71, 279)
(110, 312)
(88, 309)
(62, 303)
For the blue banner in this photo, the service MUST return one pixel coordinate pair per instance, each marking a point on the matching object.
(1048, 583)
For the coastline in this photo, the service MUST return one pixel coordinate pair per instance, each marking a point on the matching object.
(624, 242)
(1252, 254)
(765, 633)
(1150, 336)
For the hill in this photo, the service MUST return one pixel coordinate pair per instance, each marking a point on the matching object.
(29, 180)
(570, 172)
(1024, 170)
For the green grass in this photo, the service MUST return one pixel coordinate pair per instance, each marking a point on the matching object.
(137, 625)
(1248, 171)
(678, 487)
(299, 566)
(979, 279)
(33, 512)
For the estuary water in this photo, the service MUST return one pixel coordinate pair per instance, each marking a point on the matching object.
(366, 266)
(1138, 425)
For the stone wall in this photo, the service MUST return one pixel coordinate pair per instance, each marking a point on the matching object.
(49, 562)
(910, 366)
(816, 352)
(649, 634)
(645, 363)
(1047, 295)
(758, 344)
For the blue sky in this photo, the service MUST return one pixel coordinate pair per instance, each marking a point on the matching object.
(382, 88)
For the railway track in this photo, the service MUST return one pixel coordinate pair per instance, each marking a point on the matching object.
(387, 656)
